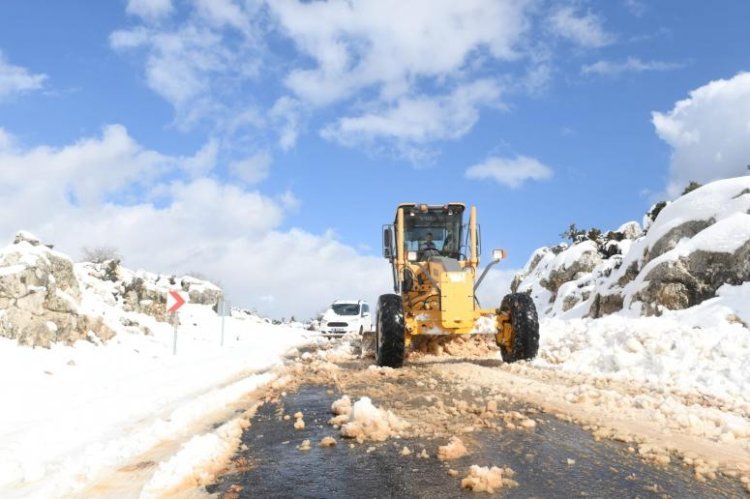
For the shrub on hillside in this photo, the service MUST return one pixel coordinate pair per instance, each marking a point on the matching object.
(100, 254)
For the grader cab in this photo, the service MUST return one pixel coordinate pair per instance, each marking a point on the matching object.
(435, 257)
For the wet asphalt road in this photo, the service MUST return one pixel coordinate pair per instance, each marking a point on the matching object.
(273, 466)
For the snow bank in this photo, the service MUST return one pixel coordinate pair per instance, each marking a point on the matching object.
(73, 413)
(663, 351)
(197, 462)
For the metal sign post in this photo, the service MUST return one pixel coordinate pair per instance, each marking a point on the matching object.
(174, 301)
(224, 309)
(174, 342)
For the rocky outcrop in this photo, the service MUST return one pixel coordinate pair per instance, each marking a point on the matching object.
(669, 241)
(200, 291)
(692, 279)
(605, 305)
(692, 247)
(40, 297)
(572, 267)
(144, 292)
(45, 298)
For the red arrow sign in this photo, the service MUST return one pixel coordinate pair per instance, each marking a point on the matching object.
(174, 301)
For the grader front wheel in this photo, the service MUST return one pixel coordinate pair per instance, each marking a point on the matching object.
(390, 332)
(522, 342)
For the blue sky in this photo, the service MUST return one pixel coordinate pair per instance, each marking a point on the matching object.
(265, 143)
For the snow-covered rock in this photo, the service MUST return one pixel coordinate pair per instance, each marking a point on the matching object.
(201, 291)
(40, 296)
(45, 298)
(691, 248)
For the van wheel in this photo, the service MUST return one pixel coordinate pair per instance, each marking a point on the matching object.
(390, 332)
(361, 330)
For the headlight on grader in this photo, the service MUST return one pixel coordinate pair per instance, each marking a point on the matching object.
(498, 255)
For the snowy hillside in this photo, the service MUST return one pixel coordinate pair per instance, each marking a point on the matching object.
(695, 253)
(103, 386)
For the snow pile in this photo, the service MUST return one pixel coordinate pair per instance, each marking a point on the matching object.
(485, 479)
(299, 423)
(342, 408)
(367, 422)
(696, 249)
(479, 345)
(662, 351)
(328, 442)
(453, 450)
(698, 380)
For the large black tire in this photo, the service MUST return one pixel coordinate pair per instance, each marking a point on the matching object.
(523, 318)
(390, 346)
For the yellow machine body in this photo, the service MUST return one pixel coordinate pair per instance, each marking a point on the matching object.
(438, 290)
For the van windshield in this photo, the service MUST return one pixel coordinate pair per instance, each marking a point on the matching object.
(345, 308)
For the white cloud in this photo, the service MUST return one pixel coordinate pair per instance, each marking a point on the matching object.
(204, 161)
(416, 121)
(180, 64)
(289, 201)
(222, 13)
(16, 79)
(709, 133)
(149, 9)
(584, 29)
(197, 66)
(253, 169)
(287, 114)
(111, 191)
(274, 265)
(6, 140)
(386, 74)
(389, 43)
(86, 172)
(629, 65)
(511, 172)
(636, 7)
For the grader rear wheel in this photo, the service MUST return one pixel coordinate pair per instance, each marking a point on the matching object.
(390, 332)
(524, 340)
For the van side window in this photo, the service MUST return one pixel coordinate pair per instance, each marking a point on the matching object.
(365, 309)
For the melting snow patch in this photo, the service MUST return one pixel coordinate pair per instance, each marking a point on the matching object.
(484, 479)
(367, 422)
(453, 450)
(328, 442)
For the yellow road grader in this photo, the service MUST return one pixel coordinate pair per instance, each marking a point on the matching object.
(435, 257)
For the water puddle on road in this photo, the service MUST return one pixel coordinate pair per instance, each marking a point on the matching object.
(556, 459)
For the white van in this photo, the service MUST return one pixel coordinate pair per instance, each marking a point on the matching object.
(346, 315)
